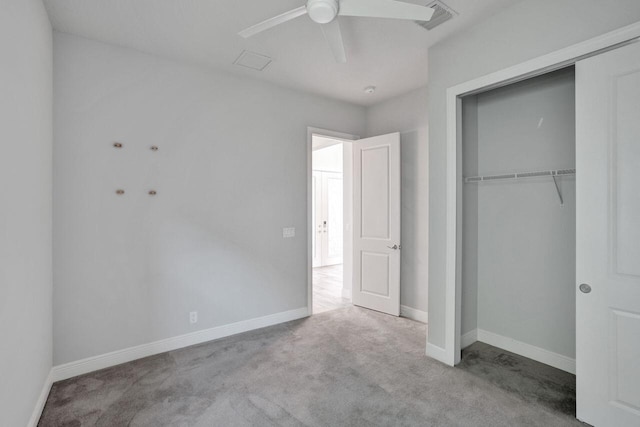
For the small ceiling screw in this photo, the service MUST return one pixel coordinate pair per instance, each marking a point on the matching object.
(117, 145)
(120, 192)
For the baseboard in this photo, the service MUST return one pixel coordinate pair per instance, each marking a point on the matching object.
(527, 350)
(42, 399)
(414, 314)
(84, 366)
(438, 353)
(469, 338)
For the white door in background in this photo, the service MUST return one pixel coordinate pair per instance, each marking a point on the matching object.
(608, 238)
(376, 223)
(316, 214)
(327, 212)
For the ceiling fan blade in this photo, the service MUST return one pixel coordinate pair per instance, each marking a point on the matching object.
(334, 38)
(276, 20)
(385, 9)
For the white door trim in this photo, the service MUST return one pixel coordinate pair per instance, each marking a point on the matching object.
(330, 134)
(450, 353)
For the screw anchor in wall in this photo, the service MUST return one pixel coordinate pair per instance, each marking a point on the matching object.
(154, 148)
(152, 192)
(119, 192)
(117, 144)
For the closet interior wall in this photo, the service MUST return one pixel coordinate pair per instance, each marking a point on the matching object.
(518, 240)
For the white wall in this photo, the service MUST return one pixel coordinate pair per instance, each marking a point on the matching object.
(407, 114)
(523, 238)
(521, 32)
(25, 212)
(230, 174)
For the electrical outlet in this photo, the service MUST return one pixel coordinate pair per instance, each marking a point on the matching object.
(193, 317)
(288, 232)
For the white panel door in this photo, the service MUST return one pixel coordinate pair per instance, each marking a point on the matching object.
(376, 220)
(327, 218)
(316, 218)
(332, 242)
(608, 238)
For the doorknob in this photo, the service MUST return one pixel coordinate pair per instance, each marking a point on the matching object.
(585, 289)
(395, 247)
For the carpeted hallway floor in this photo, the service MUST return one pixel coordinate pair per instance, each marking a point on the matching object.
(347, 367)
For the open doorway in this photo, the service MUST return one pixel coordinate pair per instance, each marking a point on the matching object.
(371, 205)
(330, 222)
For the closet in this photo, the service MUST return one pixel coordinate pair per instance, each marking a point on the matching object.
(518, 254)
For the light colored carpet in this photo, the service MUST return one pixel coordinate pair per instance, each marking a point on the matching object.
(347, 367)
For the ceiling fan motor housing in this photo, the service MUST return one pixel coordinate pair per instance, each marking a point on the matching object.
(322, 11)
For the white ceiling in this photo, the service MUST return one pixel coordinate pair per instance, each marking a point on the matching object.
(386, 53)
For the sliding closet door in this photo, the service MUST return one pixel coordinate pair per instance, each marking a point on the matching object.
(608, 238)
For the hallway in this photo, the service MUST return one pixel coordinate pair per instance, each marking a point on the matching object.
(327, 289)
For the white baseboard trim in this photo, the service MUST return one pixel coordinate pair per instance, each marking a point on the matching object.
(438, 353)
(42, 399)
(414, 314)
(527, 350)
(346, 293)
(90, 364)
(469, 338)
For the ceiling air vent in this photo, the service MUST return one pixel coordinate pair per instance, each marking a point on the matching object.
(442, 14)
(253, 60)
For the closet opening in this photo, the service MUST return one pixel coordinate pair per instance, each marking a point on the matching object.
(517, 237)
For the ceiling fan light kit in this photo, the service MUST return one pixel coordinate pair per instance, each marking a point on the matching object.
(325, 12)
(322, 11)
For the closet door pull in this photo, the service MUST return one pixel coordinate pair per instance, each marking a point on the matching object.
(585, 289)
(395, 247)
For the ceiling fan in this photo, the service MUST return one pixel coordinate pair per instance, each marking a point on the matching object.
(325, 12)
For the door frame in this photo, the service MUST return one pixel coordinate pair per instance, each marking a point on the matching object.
(450, 353)
(345, 138)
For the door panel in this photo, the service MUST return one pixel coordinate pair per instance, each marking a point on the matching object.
(375, 192)
(626, 163)
(608, 238)
(376, 211)
(375, 274)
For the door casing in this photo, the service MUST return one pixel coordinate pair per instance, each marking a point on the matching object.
(346, 139)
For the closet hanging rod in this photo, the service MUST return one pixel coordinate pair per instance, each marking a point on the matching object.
(519, 175)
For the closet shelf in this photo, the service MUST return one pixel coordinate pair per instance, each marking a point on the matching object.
(519, 175)
(552, 173)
